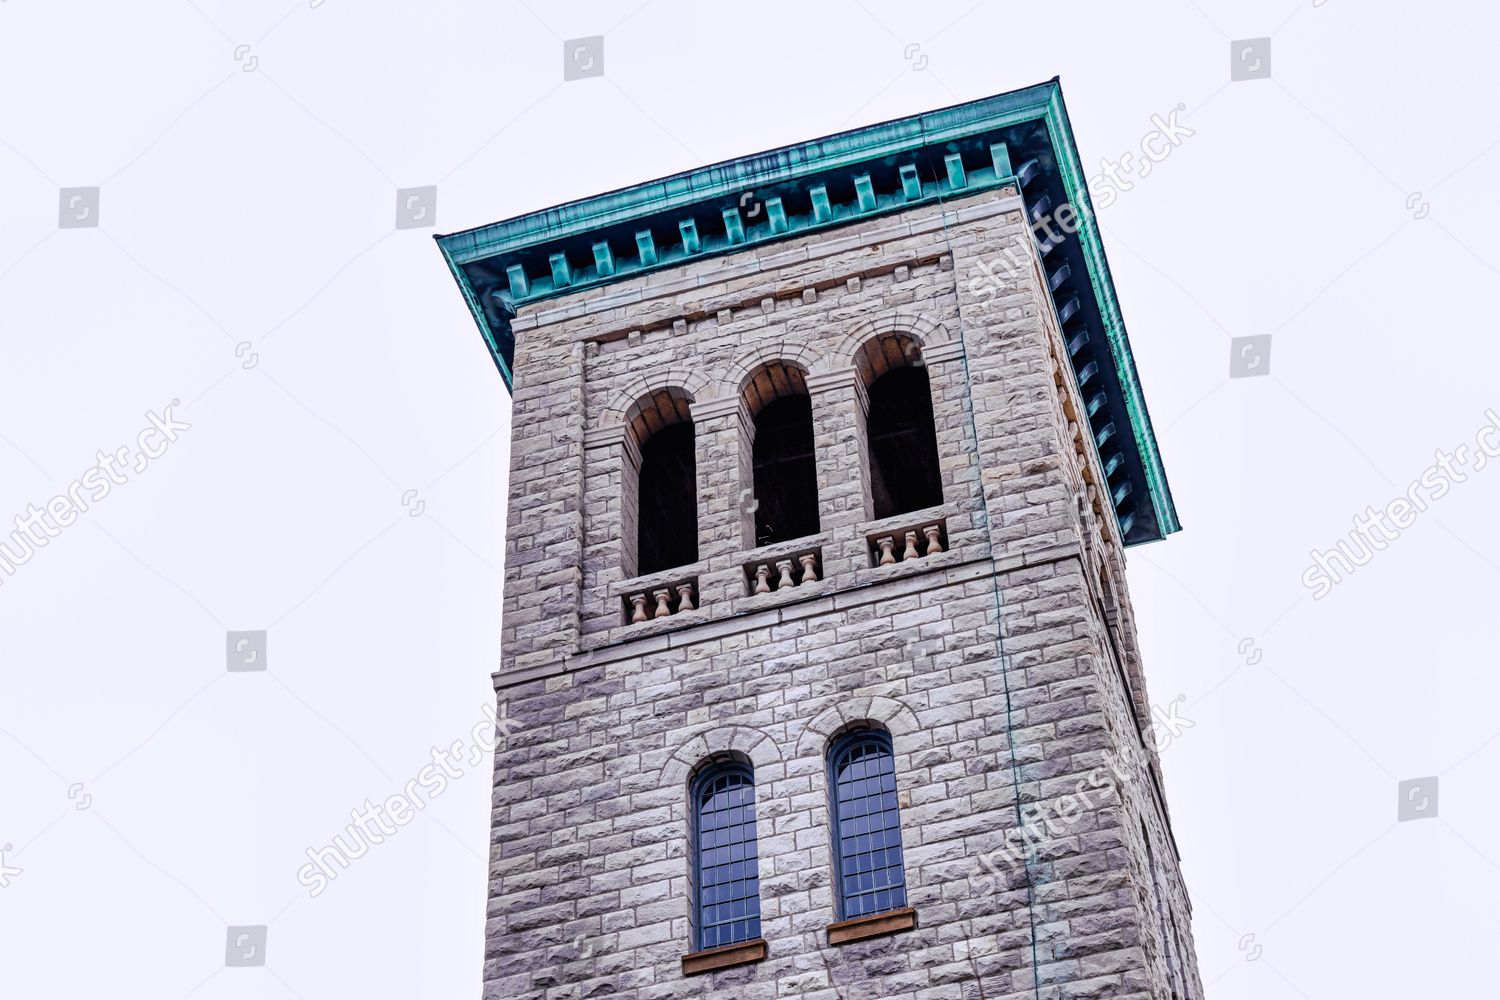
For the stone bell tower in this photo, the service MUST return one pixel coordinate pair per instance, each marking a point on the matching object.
(819, 674)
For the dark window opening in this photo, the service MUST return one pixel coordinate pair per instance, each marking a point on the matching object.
(903, 443)
(870, 872)
(667, 519)
(786, 473)
(726, 870)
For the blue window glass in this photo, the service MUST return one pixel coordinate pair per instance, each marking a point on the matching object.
(725, 867)
(866, 827)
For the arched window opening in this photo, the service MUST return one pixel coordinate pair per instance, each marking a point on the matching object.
(869, 872)
(726, 872)
(902, 435)
(667, 486)
(782, 456)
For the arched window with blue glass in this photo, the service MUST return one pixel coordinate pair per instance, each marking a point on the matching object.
(866, 826)
(726, 872)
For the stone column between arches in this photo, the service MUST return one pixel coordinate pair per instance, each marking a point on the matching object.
(722, 438)
(611, 468)
(839, 405)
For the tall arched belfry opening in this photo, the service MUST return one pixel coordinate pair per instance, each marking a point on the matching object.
(819, 674)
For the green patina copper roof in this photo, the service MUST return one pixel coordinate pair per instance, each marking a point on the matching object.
(1021, 138)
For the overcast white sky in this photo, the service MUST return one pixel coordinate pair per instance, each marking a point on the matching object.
(150, 798)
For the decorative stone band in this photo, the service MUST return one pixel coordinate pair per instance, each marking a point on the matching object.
(660, 601)
(960, 566)
(906, 544)
(795, 569)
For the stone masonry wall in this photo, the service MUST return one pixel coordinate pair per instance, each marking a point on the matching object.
(1005, 668)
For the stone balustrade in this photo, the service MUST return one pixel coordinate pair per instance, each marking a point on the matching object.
(906, 544)
(660, 601)
(772, 569)
(795, 569)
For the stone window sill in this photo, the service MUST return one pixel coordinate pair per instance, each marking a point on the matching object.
(866, 575)
(724, 957)
(786, 595)
(872, 925)
(653, 626)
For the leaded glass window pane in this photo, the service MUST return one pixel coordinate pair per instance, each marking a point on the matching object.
(867, 829)
(726, 872)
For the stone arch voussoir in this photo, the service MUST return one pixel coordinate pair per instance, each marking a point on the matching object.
(913, 325)
(897, 719)
(696, 385)
(745, 742)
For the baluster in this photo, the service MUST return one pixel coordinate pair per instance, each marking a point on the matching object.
(809, 568)
(685, 592)
(762, 579)
(911, 546)
(662, 610)
(638, 605)
(933, 545)
(887, 545)
(784, 567)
